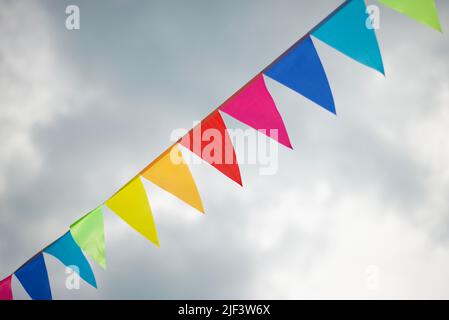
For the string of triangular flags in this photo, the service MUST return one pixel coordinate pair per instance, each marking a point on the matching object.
(299, 68)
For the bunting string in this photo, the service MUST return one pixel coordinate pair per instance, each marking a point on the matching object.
(299, 68)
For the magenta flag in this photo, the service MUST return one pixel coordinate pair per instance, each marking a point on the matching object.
(5, 289)
(254, 106)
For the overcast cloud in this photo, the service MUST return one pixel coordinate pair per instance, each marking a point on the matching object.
(359, 208)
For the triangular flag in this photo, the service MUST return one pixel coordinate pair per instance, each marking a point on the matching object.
(131, 204)
(347, 32)
(210, 141)
(424, 11)
(67, 251)
(88, 233)
(255, 107)
(5, 289)
(34, 278)
(301, 70)
(171, 173)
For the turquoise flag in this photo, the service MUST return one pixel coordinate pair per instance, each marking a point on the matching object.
(67, 251)
(347, 32)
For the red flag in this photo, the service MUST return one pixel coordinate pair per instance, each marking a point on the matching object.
(210, 141)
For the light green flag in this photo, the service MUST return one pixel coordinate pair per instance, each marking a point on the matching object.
(88, 233)
(424, 11)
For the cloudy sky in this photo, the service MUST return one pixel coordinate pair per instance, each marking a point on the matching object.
(359, 208)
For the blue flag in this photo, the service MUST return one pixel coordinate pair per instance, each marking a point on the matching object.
(34, 278)
(67, 251)
(301, 70)
(348, 32)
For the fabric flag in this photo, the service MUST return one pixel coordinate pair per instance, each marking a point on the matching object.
(255, 107)
(131, 204)
(346, 31)
(34, 278)
(424, 11)
(67, 251)
(210, 141)
(301, 70)
(171, 173)
(88, 233)
(5, 289)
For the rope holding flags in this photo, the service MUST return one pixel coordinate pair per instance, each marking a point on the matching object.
(299, 69)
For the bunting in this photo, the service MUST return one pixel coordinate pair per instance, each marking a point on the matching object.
(210, 141)
(5, 289)
(67, 251)
(171, 173)
(88, 233)
(423, 11)
(34, 278)
(301, 70)
(131, 204)
(346, 31)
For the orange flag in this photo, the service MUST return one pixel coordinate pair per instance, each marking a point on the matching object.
(171, 173)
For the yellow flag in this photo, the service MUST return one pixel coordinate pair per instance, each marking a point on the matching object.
(171, 173)
(131, 204)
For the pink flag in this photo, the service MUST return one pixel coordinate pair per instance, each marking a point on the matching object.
(5, 289)
(255, 107)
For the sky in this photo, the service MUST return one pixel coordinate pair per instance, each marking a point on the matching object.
(358, 210)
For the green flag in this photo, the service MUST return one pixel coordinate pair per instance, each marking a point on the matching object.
(424, 11)
(88, 233)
